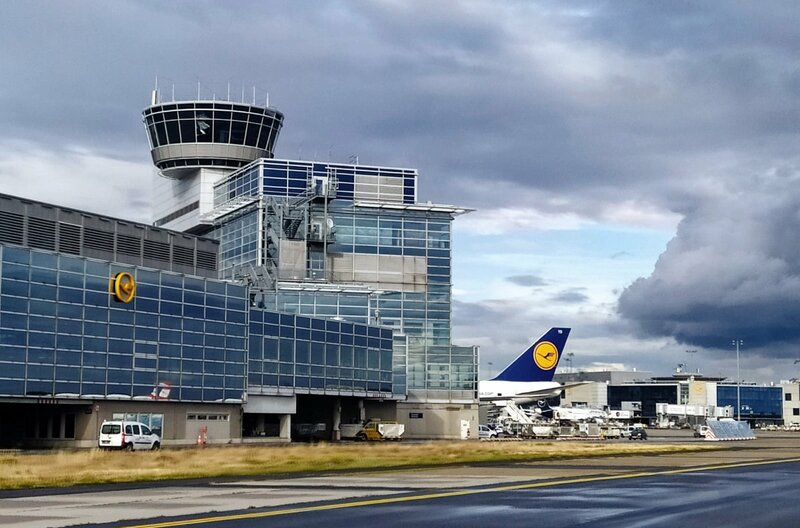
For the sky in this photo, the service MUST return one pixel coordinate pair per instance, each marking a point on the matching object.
(632, 165)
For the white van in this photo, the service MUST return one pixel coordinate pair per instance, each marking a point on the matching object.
(118, 434)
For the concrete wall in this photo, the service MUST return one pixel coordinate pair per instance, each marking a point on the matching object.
(791, 403)
(437, 421)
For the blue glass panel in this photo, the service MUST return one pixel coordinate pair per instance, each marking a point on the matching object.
(15, 271)
(191, 393)
(147, 378)
(12, 254)
(13, 321)
(214, 354)
(42, 308)
(170, 294)
(191, 366)
(120, 361)
(173, 323)
(13, 337)
(44, 340)
(97, 268)
(194, 284)
(72, 280)
(67, 387)
(69, 341)
(40, 291)
(17, 288)
(190, 338)
(142, 333)
(36, 388)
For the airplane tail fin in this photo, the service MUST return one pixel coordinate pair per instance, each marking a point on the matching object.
(539, 362)
(545, 408)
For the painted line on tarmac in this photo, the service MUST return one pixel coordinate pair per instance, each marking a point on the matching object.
(455, 493)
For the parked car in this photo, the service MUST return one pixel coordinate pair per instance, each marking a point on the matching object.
(484, 431)
(638, 434)
(119, 434)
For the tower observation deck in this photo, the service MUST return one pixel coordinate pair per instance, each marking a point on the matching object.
(187, 135)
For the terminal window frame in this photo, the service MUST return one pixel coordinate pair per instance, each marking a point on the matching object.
(208, 417)
(154, 421)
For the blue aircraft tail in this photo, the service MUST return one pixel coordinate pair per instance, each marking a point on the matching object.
(545, 408)
(539, 362)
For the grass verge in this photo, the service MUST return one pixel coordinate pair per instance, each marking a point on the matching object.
(59, 469)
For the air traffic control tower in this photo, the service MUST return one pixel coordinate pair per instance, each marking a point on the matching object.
(350, 243)
(194, 144)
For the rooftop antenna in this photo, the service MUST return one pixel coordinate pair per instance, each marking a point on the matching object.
(691, 354)
(154, 94)
(267, 99)
(173, 92)
(229, 92)
(198, 90)
(254, 95)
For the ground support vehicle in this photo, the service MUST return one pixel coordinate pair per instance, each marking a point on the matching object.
(378, 430)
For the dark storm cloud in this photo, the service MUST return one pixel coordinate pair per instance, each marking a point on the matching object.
(526, 280)
(570, 106)
(732, 271)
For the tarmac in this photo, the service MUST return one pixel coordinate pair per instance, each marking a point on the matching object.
(115, 503)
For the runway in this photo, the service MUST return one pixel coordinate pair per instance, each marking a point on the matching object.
(750, 479)
(701, 497)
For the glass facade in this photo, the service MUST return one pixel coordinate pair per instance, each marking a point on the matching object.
(181, 338)
(757, 402)
(350, 227)
(62, 333)
(297, 354)
(290, 178)
(648, 395)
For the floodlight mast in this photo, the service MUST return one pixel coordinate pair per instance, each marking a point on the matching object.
(737, 343)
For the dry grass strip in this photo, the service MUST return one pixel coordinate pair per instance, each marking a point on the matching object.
(68, 468)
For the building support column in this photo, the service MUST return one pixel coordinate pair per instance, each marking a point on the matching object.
(286, 427)
(337, 420)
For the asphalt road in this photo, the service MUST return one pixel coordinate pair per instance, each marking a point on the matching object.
(749, 495)
(744, 484)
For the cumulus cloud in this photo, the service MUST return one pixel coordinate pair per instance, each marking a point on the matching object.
(732, 271)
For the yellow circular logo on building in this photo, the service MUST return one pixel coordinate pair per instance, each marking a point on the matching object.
(123, 287)
(545, 355)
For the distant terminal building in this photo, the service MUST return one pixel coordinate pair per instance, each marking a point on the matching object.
(685, 397)
(594, 394)
(791, 401)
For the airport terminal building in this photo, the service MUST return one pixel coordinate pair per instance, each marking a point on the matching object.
(270, 299)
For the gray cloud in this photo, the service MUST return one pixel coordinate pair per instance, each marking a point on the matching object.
(633, 96)
(526, 280)
(732, 271)
(570, 296)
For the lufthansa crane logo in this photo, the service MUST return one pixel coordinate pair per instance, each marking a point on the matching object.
(545, 355)
(123, 287)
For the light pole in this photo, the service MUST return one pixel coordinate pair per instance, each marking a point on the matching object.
(737, 343)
